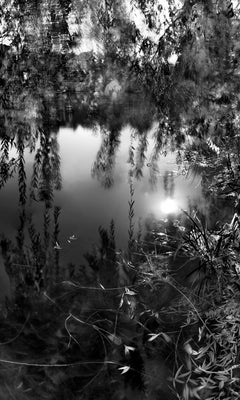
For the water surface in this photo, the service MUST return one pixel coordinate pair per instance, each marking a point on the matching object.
(86, 204)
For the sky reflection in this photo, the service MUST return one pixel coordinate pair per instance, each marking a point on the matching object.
(86, 204)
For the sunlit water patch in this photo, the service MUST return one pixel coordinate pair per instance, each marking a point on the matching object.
(169, 206)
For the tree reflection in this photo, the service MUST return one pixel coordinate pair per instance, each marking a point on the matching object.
(169, 184)
(103, 166)
(140, 156)
(32, 263)
(7, 166)
(32, 260)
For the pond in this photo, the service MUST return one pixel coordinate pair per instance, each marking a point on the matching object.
(119, 200)
(86, 204)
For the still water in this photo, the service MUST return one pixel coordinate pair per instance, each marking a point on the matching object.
(85, 204)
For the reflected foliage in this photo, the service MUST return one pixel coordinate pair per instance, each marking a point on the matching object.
(168, 183)
(104, 164)
(32, 263)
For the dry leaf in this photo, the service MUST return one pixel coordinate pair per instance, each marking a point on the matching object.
(124, 369)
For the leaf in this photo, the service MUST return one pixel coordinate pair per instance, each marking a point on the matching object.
(216, 237)
(124, 369)
(186, 392)
(127, 349)
(210, 398)
(189, 363)
(221, 385)
(57, 246)
(101, 286)
(188, 348)
(73, 237)
(115, 339)
(195, 353)
(153, 336)
(194, 393)
(95, 327)
(130, 292)
(178, 372)
(166, 337)
(121, 302)
(200, 332)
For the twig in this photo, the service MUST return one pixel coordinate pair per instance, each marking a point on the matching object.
(18, 334)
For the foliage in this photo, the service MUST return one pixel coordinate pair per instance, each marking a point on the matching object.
(212, 361)
(154, 317)
(132, 80)
(205, 304)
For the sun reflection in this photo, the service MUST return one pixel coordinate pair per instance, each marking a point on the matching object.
(169, 206)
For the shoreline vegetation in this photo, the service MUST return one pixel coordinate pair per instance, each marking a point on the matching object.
(165, 323)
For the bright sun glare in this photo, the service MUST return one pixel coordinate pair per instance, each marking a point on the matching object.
(169, 206)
